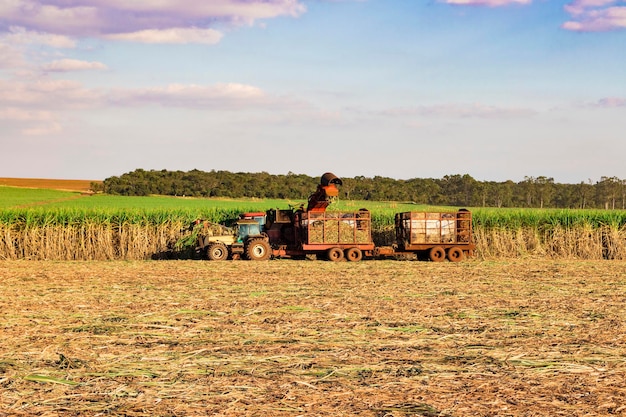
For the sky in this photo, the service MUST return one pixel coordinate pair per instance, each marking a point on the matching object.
(497, 89)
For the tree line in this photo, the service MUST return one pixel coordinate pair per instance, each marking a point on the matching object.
(451, 190)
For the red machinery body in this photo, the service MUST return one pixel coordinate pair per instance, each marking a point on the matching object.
(338, 235)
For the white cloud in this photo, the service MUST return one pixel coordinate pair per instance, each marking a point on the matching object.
(20, 35)
(110, 17)
(236, 10)
(48, 94)
(489, 3)
(611, 102)
(30, 122)
(65, 65)
(44, 130)
(462, 110)
(10, 57)
(219, 96)
(595, 16)
(22, 115)
(59, 95)
(35, 108)
(586, 15)
(18, 43)
(46, 17)
(171, 36)
(578, 7)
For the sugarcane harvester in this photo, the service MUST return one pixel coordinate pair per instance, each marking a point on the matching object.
(334, 235)
(314, 231)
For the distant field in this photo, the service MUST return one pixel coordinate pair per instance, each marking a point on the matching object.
(69, 185)
(14, 197)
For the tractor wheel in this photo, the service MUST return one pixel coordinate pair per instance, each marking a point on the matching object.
(258, 250)
(455, 254)
(354, 254)
(217, 252)
(334, 254)
(437, 254)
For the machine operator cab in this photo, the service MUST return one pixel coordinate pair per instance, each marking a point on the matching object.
(247, 228)
(257, 216)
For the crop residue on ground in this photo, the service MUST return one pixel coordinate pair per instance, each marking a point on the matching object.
(287, 338)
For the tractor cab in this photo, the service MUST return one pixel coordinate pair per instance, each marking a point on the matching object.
(247, 228)
(257, 216)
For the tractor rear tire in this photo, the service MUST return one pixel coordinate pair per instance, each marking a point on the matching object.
(354, 254)
(455, 254)
(217, 252)
(258, 250)
(334, 254)
(437, 254)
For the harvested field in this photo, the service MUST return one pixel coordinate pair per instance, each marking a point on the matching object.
(55, 184)
(288, 338)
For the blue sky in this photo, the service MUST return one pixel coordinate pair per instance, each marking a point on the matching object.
(497, 89)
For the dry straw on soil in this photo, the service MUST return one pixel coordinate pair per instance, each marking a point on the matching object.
(283, 338)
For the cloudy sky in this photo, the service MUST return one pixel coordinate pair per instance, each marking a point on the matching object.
(497, 89)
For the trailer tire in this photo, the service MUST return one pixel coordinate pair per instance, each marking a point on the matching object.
(437, 254)
(217, 252)
(455, 254)
(258, 250)
(354, 254)
(334, 254)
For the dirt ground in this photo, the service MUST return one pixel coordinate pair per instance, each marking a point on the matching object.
(313, 338)
(67, 185)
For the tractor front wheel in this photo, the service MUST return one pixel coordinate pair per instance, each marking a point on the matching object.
(217, 252)
(258, 250)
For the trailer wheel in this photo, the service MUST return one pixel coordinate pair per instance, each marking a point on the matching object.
(334, 254)
(354, 254)
(217, 252)
(437, 254)
(258, 250)
(455, 254)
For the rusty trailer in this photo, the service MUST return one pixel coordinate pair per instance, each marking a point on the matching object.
(435, 235)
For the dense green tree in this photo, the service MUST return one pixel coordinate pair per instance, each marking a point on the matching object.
(458, 189)
(454, 190)
(544, 190)
(609, 190)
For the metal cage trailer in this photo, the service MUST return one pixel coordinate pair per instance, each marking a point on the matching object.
(433, 235)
